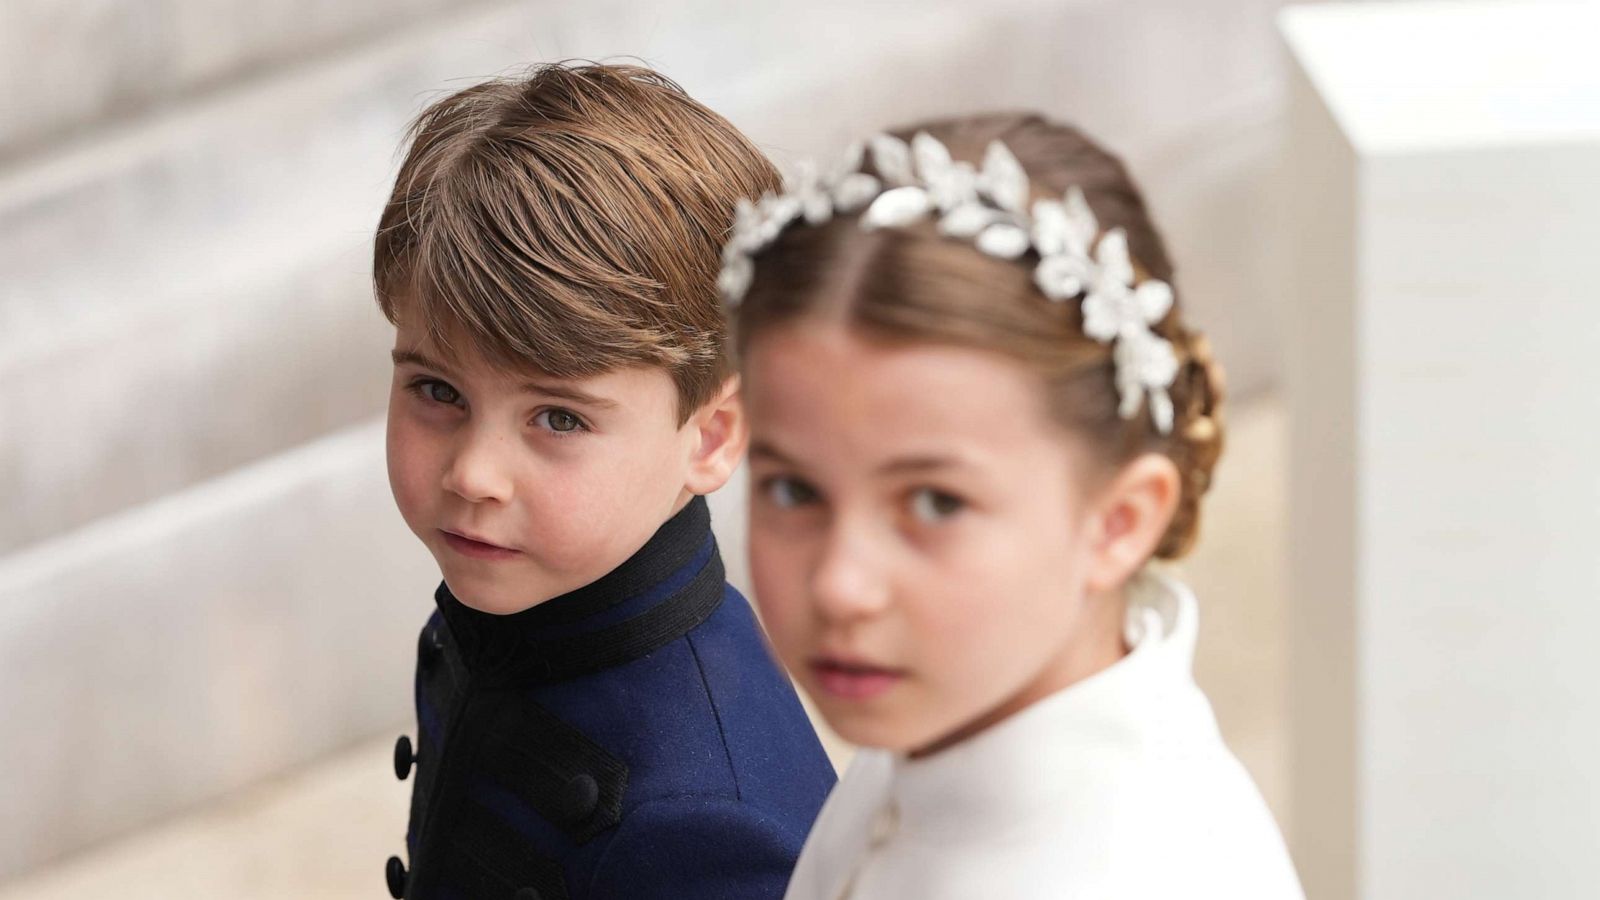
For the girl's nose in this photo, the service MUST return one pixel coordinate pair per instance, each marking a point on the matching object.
(846, 584)
(478, 472)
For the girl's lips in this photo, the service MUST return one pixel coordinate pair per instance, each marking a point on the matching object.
(477, 549)
(853, 681)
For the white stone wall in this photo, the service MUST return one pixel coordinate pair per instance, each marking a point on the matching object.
(1444, 498)
(201, 578)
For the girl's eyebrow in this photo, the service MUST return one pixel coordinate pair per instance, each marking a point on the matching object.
(762, 448)
(905, 464)
(913, 464)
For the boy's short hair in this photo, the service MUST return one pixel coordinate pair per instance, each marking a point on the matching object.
(570, 221)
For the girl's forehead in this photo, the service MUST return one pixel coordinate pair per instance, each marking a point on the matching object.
(844, 395)
(828, 367)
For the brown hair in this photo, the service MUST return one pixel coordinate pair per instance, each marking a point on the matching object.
(570, 221)
(913, 284)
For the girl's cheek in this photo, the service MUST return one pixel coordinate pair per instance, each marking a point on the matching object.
(779, 583)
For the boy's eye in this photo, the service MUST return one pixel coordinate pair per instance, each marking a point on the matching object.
(435, 390)
(559, 420)
(934, 506)
(441, 392)
(788, 492)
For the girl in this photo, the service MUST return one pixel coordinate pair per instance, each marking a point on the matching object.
(976, 414)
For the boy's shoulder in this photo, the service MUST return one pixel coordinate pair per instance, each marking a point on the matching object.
(689, 762)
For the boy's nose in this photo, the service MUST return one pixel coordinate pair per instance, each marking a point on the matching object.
(845, 585)
(478, 472)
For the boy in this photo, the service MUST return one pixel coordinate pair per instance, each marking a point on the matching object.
(597, 713)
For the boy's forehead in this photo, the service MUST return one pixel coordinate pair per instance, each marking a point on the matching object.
(450, 346)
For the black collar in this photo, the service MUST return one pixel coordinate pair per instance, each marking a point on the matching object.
(656, 596)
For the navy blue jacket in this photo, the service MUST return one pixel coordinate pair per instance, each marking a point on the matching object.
(631, 739)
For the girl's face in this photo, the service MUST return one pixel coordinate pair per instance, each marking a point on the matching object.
(919, 534)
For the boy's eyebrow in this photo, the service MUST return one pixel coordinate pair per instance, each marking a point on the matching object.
(403, 357)
(568, 392)
(548, 389)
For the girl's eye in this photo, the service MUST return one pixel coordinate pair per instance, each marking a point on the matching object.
(788, 492)
(559, 421)
(934, 506)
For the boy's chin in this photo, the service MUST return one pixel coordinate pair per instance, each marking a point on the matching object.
(499, 596)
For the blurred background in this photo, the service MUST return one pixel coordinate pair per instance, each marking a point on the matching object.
(208, 605)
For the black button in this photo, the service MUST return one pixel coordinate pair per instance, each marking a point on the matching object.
(395, 872)
(429, 646)
(403, 757)
(527, 894)
(578, 798)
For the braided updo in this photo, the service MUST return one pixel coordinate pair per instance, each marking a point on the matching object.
(914, 284)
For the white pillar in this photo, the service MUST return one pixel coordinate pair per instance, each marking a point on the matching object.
(1444, 382)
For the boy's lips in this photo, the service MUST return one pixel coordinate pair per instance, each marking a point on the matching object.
(475, 548)
(853, 679)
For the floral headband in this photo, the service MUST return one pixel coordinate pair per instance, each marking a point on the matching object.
(989, 207)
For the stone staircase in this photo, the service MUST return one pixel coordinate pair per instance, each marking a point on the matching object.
(202, 580)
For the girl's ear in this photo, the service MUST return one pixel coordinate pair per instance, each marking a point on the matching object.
(721, 431)
(1128, 518)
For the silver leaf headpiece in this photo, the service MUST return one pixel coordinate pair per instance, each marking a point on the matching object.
(989, 206)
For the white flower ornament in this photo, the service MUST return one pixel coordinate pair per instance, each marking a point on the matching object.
(988, 206)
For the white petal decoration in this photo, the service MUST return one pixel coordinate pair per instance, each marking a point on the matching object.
(1084, 226)
(1154, 300)
(1062, 277)
(896, 208)
(967, 220)
(1112, 255)
(746, 235)
(892, 158)
(1146, 358)
(1003, 179)
(849, 163)
(1161, 409)
(777, 213)
(734, 280)
(800, 178)
(855, 191)
(1100, 317)
(1131, 395)
(816, 206)
(1004, 240)
(955, 186)
(932, 158)
(1051, 227)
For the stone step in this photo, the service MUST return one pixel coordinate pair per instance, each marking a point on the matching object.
(72, 66)
(195, 644)
(193, 289)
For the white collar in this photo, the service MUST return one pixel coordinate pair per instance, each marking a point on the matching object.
(1100, 723)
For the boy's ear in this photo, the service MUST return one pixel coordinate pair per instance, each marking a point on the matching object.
(1128, 518)
(723, 436)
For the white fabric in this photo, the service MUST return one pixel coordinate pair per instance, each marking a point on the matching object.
(1117, 787)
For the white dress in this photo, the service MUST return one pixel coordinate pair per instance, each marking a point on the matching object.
(1118, 787)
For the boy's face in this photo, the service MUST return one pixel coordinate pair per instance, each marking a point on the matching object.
(525, 487)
